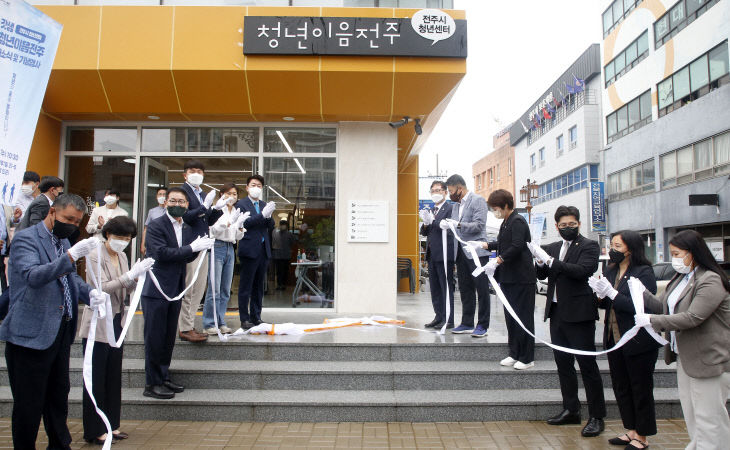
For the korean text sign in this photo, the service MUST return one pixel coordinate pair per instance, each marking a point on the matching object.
(598, 207)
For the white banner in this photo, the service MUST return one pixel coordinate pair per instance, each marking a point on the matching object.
(28, 43)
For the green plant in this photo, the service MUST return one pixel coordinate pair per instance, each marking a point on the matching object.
(324, 232)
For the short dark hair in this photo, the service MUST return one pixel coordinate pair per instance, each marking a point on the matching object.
(65, 200)
(435, 182)
(255, 177)
(194, 164)
(283, 222)
(120, 226)
(31, 176)
(635, 244)
(455, 180)
(113, 192)
(228, 186)
(177, 189)
(501, 198)
(49, 182)
(161, 188)
(566, 211)
(693, 242)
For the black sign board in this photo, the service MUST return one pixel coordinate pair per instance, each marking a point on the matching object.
(704, 200)
(438, 36)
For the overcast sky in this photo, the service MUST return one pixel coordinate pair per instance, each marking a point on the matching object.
(517, 49)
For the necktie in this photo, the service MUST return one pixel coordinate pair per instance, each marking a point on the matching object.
(256, 205)
(564, 250)
(64, 279)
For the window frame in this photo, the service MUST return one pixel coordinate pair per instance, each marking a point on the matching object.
(675, 26)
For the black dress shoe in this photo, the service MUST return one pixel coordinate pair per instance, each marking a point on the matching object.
(433, 323)
(256, 322)
(593, 428)
(565, 418)
(174, 387)
(120, 435)
(158, 391)
(246, 325)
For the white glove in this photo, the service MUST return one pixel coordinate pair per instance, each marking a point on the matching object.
(202, 243)
(140, 267)
(426, 216)
(209, 199)
(476, 244)
(83, 248)
(242, 219)
(491, 267)
(220, 203)
(538, 252)
(96, 299)
(234, 216)
(268, 209)
(643, 320)
(604, 289)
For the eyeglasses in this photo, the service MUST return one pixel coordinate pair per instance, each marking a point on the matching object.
(172, 202)
(436, 191)
(566, 225)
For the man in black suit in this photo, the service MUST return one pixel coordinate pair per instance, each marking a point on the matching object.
(438, 276)
(572, 310)
(172, 244)
(51, 188)
(254, 251)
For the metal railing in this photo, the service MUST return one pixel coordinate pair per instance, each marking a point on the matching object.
(576, 101)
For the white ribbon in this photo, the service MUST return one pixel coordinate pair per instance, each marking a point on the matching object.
(444, 244)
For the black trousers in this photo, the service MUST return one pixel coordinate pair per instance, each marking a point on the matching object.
(522, 299)
(439, 278)
(40, 385)
(251, 286)
(580, 336)
(160, 328)
(471, 287)
(107, 378)
(632, 378)
(282, 272)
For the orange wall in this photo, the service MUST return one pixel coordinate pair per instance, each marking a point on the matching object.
(44, 152)
(408, 217)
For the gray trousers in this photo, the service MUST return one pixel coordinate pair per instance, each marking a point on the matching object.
(703, 405)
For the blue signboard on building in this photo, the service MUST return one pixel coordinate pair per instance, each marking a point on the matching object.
(598, 207)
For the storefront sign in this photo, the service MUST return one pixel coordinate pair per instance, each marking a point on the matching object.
(716, 248)
(367, 221)
(429, 33)
(28, 41)
(598, 207)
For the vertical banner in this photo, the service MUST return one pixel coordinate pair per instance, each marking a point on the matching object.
(537, 225)
(598, 207)
(28, 43)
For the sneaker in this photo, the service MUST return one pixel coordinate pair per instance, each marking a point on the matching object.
(519, 365)
(508, 362)
(211, 331)
(226, 330)
(478, 332)
(462, 329)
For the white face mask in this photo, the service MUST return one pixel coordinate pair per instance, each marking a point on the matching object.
(679, 267)
(255, 192)
(437, 198)
(161, 200)
(118, 245)
(195, 179)
(110, 199)
(26, 189)
(498, 213)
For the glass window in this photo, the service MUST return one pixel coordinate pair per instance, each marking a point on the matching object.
(661, 27)
(718, 61)
(642, 44)
(648, 174)
(542, 154)
(703, 154)
(559, 143)
(665, 93)
(631, 53)
(87, 139)
(300, 140)
(619, 63)
(622, 118)
(636, 172)
(628, 4)
(698, 75)
(613, 183)
(624, 181)
(634, 112)
(607, 20)
(684, 161)
(722, 148)
(573, 134)
(611, 125)
(694, 5)
(195, 139)
(645, 104)
(532, 160)
(668, 164)
(676, 15)
(609, 71)
(618, 10)
(681, 84)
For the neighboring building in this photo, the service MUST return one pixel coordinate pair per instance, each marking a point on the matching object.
(496, 170)
(561, 153)
(666, 99)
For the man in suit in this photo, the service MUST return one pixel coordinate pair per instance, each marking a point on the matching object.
(172, 244)
(469, 217)
(439, 277)
(199, 217)
(29, 190)
(51, 188)
(254, 251)
(572, 310)
(41, 322)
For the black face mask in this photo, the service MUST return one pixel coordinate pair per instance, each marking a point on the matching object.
(568, 233)
(63, 230)
(176, 211)
(456, 196)
(615, 256)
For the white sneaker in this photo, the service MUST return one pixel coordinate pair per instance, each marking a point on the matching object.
(211, 331)
(519, 365)
(226, 330)
(508, 362)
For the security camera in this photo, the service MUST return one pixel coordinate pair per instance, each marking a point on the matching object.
(400, 123)
(417, 127)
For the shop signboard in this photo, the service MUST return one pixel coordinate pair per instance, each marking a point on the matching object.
(598, 207)
(367, 221)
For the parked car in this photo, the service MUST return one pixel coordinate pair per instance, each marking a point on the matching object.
(663, 272)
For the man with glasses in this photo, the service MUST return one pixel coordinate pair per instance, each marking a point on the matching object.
(439, 277)
(572, 310)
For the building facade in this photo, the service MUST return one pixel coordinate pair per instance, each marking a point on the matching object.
(666, 96)
(496, 170)
(557, 144)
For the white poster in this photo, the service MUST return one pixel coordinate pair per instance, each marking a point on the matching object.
(716, 249)
(367, 221)
(28, 43)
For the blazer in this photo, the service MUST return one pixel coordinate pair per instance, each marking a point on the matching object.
(170, 260)
(517, 266)
(473, 223)
(570, 277)
(36, 291)
(701, 321)
(118, 288)
(198, 216)
(623, 308)
(257, 228)
(434, 244)
(36, 212)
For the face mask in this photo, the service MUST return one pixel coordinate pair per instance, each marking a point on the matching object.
(118, 245)
(195, 179)
(176, 211)
(437, 198)
(615, 256)
(161, 200)
(679, 267)
(498, 213)
(63, 230)
(110, 199)
(27, 189)
(231, 200)
(568, 233)
(255, 192)
(455, 197)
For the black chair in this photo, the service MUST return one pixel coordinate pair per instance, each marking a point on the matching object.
(405, 270)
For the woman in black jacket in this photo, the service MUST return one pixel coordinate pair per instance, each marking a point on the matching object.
(632, 366)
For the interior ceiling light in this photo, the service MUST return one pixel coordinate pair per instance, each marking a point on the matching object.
(288, 118)
(130, 161)
(153, 117)
(288, 148)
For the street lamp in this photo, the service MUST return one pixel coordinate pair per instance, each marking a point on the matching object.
(527, 193)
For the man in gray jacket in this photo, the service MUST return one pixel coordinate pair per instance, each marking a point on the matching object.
(469, 218)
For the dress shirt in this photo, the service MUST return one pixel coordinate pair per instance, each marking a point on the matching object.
(22, 202)
(177, 226)
(154, 213)
(563, 251)
(224, 230)
(50, 202)
(672, 301)
(196, 189)
(461, 204)
(106, 213)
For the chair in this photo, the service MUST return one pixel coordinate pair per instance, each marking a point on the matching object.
(405, 270)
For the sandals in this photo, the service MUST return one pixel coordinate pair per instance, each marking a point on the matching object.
(631, 445)
(619, 440)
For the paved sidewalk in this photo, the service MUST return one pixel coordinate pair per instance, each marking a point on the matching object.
(243, 435)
